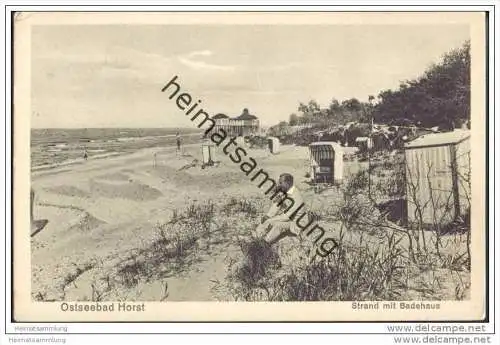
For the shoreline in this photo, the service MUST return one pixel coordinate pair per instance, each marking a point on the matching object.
(98, 150)
(108, 209)
(79, 162)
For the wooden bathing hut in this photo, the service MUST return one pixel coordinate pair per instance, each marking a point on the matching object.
(437, 168)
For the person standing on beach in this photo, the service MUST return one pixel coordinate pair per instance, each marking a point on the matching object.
(154, 160)
(85, 154)
(178, 141)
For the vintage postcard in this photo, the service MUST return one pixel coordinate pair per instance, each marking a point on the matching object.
(249, 166)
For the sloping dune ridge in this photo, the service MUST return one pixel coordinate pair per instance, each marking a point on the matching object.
(127, 228)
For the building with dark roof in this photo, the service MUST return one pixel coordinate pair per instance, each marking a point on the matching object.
(242, 125)
(220, 116)
(245, 115)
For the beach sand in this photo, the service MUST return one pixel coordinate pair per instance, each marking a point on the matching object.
(104, 215)
(102, 210)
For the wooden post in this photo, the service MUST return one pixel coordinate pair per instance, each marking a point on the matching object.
(32, 197)
(369, 159)
(454, 181)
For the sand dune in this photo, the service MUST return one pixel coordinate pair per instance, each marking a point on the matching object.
(104, 218)
(102, 210)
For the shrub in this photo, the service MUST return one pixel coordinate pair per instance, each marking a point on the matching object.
(247, 206)
(357, 183)
(393, 184)
(350, 273)
(259, 256)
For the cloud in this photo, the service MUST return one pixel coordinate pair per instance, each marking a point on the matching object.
(200, 53)
(117, 60)
(198, 60)
(98, 74)
(74, 58)
(200, 65)
(250, 92)
(190, 61)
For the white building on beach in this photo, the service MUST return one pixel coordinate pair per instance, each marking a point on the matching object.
(242, 125)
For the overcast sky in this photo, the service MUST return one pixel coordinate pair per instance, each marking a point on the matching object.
(112, 76)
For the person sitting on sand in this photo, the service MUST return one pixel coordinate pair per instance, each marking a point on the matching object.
(280, 222)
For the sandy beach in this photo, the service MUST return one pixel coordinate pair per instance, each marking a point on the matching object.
(105, 220)
(344, 184)
(104, 209)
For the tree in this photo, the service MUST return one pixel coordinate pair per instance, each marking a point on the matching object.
(311, 112)
(313, 107)
(335, 106)
(440, 97)
(280, 129)
(351, 105)
(334, 113)
(352, 110)
(303, 108)
(293, 120)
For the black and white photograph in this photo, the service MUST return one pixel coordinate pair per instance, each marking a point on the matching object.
(250, 158)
